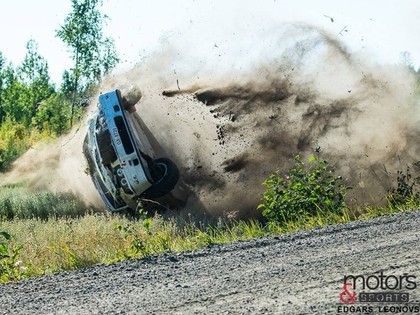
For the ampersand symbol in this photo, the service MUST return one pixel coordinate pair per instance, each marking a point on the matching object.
(346, 296)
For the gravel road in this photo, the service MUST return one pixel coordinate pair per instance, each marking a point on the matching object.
(299, 273)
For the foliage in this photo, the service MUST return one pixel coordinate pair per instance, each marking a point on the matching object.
(23, 89)
(53, 115)
(407, 188)
(33, 73)
(305, 192)
(407, 61)
(13, 142)
(2, 79)
(30, 104)
(12, 92)
(93, 55)
(10, 268)
(60, 244)
(4, 251)
(56, 244)
(19, 203)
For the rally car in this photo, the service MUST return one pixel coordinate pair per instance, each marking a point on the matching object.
(121, 159)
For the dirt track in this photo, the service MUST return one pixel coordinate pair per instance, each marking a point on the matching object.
(299, 273)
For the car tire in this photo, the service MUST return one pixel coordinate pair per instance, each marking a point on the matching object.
(129, 105)
(166, 180)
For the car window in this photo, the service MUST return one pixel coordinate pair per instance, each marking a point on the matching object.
(125, 138)
(106, 149)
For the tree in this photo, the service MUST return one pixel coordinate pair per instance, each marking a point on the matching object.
(22, 90)
(53, 114)
(2, 111)
(12, 93)
(33, 74)
(93, 55)
(407, 61)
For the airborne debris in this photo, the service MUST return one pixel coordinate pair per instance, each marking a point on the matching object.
(329, 17)
(344, 29)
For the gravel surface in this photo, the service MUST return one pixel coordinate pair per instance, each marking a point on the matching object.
(299, 273)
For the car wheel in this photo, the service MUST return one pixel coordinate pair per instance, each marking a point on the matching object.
(166, 177)
(130, 104)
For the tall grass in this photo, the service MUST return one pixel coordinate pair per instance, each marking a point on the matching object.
(46, 232)
(58, 244)
(40, 246)
(22, 204)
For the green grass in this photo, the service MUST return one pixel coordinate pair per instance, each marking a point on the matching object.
(41, 246)
(57, 244)
(45, 232)
(20, 203)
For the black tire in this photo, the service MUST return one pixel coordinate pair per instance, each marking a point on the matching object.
(129, 103)
(166, 177)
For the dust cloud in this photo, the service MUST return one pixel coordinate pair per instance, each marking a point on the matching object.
(56, 165)
(229, 120)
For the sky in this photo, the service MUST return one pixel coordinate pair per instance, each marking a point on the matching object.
(381, 29)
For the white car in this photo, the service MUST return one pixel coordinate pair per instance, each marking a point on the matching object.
(121, 160)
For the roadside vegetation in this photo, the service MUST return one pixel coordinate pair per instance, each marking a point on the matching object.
(45, 232)
(32, 107)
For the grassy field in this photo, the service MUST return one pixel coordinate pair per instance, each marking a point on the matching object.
(45, 239)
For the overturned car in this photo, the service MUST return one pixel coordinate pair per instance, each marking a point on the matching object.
(121, 159)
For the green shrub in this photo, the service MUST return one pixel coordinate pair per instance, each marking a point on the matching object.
(304, 192)
(13, 142)
(10, 267)
(53, 115)
(7, 156)
(407, 189)
(4, 251)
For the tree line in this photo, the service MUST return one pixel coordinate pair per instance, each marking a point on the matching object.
(31, 106)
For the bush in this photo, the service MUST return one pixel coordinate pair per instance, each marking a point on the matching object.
(10, 269)
(53, 115)
(304, 192)
(13, 142)
(407, 189)
(7, 156)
